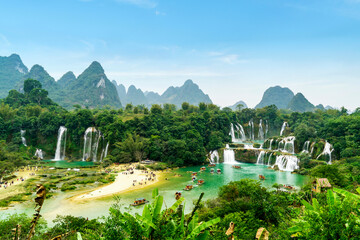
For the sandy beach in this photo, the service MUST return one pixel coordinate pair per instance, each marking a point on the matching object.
(123, 182)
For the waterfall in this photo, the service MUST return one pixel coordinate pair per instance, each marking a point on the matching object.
(214, 157)
(287, 163)
(261, 130)
(251, 130)
(285, 124)
(91, 144)
(266, 128)
(23, 139)
(261, 158)
(241, 132)
(287, 145)
(229, 155)
(306, 147)
(237, 135)
(270, 144)
(328, 149)
(290, 144)
(106, 149)
(60, 148)
(39, 154)
(232, 133)
(269, 160)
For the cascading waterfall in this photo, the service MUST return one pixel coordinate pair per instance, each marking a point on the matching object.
(306, 147)
(266, 128)
(39, 154)
(270, 144)
(61, 144)
(23, 139)
(269, 159)
(261, 158)
(106, 149)
(287, 163)
(287, 145)
(328, 149)
(229, 155)
(232, 133)
(261, 130)
(241, 132)
(285, 124)
(237, 135)
(214, 157)
(91, 144)
(251, 129)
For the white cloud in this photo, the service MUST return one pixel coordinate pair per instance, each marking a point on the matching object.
(4, 41)
(140, 3)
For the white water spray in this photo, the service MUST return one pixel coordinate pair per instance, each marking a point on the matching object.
(229, 155)
(287, 163)
(39, 154)
(61, 144)
(23, 139)
(261, 130)
(285, 124)
(328, 149)
(214, 157)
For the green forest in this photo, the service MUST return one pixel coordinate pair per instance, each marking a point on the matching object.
(184, 137)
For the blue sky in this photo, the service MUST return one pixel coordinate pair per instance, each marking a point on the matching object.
(234, 50)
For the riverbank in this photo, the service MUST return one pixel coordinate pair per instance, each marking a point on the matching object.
(125, 181)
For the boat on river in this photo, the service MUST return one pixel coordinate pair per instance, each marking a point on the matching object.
(188, 187)
(261, 177)
(139, 201)
(218, 171)
(200, 182)
(212, 165)
(236, 166)
(202, 168)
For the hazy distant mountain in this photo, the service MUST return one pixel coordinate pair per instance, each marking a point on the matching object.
(278, 96)
(328, 107)
(189, 92)
(234, 107)
(320, 106)
(12, 70)
(153, 98)
(135, 96)
(121, 92)
(300, 104)
(92, 89)
(66, 79)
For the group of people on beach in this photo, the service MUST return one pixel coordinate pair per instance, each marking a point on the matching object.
(7, 184)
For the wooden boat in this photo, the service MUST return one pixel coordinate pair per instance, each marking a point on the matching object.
(289, 187)
(200, 182)
(212, 170)
(218, 171)
(139, 201)
(177, 195)
(188, 187)
(202, 168)
(193, 173)
(212, 165)
(261, 177)
(236, 166)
